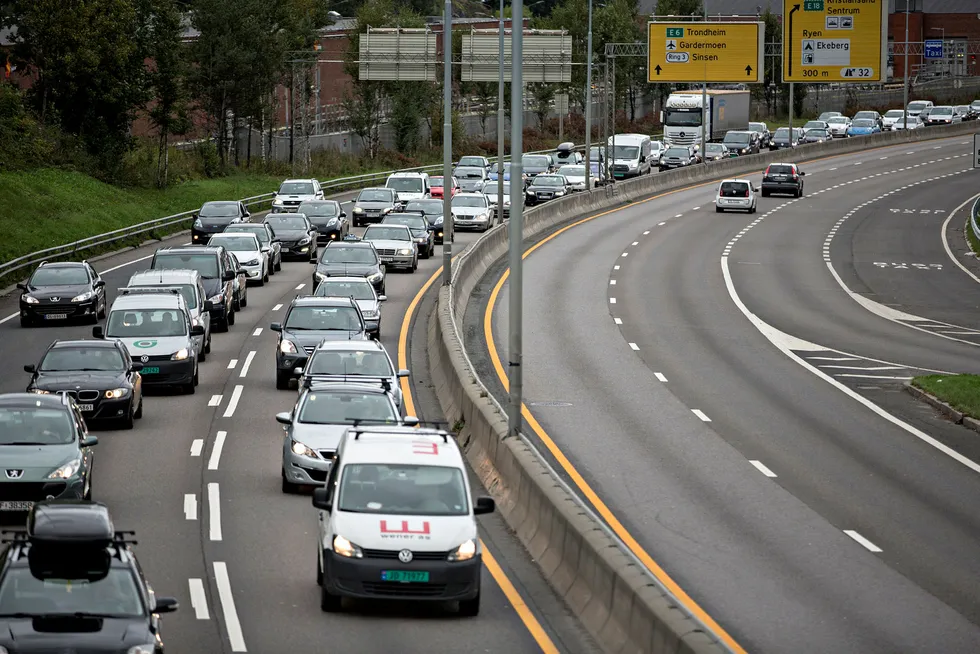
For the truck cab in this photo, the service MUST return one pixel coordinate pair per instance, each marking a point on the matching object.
(682, 115)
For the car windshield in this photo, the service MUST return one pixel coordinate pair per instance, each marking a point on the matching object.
(114, 595)
(205, 263)
(471, 161)
(361, 290)
(826, 115)
(715, 147)
(941, 111)
(863, 122)
(782, 132)
(917, 106)
(572, 171)
(35, 426)
(358, 363)
(412, 222)
(323, 319)
(402, 489)
(469, 201)
(296, 188)
(64, 359)
(626, 152)
(468, 173)
(236, 243)
(814, 124)
(816, 132)
(895, 113)
(779, 169)
(536, 161)
(348, 255)
(382, 233)
(548, 180)
(430, 207)
(258, 230)
(680, 153)
(59, 276)
(285, 222)
(346, 408)
(405, 184)
(836, 120)
(734, 190)
(309, 209)
(737, 137)
(219, 210)
(495, 167)
(490, 188)
(374, 196)
(757, 127)
(131, 323)
(435, 182)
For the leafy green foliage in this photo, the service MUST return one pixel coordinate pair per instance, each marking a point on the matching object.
(167, 79)
(680, 8)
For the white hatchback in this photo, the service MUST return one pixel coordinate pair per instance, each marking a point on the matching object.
(737, 194)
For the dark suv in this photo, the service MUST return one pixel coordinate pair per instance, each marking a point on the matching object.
(218, 272)
(783, 178)
(309, 321)
(61, 291)
(71, 583)
(350, 259)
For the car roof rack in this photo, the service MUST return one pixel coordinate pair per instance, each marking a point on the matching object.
(387, 431)
(141, 290)
(310, 380)
(70, 523)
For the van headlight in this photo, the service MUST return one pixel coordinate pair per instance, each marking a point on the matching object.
(116, 393)
(344, 547)
(180, 354)
(68, 470)
(464, 552)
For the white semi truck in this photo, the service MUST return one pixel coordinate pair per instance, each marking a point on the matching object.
(681, 116)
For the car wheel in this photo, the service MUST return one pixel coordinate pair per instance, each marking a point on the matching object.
(25, 321)
(329, 603)
(319, 573)
(279, 264)
(88, 490)
(236, 305)
(718, 210)
(244, 301)
(128, 422)
(801, 191)
(765, 193)
(470, 608)
(139, 409)
(101, 313)
(203, 354)
(265, 277)
(190, 389)
(282, 381)
(231, 317)
(207, 344)
(289, 488)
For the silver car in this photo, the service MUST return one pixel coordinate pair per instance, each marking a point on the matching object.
(574, 174)
(395, 245)
(490, 191)
(837, 126)
(248, 250)
(472, 210)
(352, 362)
(323, 412)
(191, 288)
(363, 293)
(470, 179)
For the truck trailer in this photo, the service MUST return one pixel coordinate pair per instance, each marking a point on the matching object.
(681, 116)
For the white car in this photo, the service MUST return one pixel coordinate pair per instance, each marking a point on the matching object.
(395, 245)
(294, 192)
(914, 122)
(837, 126)
(891, 117)
(472, 210)
(409, 186)
(738, 194)
(248, 251)
(490, 191)
(574, 174)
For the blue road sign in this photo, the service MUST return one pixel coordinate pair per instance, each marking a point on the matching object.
(934, 49)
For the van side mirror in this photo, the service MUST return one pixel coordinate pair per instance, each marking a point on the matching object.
(31, 368)
(321, 499)
(410, 421)
(298, 371)
(227, 276)
(136, 367)
(403, 373)
(97, 332)
(483, 506)
(208, 305)
(197, 330)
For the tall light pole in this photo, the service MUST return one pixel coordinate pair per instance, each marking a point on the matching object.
(905, 93)
(516, 234)
(500, 119)
(588, 104)
(447, 144)
(704, 104)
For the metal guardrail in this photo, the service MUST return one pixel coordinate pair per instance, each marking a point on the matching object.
(74, 248)
(975, 218)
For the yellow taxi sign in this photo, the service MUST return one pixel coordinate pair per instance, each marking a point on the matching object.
(833, 41)
(705, 52)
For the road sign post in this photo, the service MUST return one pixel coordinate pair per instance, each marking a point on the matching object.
(706, 52)
(835, 41)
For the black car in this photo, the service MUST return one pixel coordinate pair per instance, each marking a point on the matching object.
(328, 217)
(421, 232)
(742, 143)
(783, 178)
(297, 235)
(213, 217)
(310, 320)
(351, 259)
(57, 292)
(678, 156)
(536, 164)
(783, 138)
(765, 136)
(71, 583)
(433, 211)
(99, 375)
(544, 188)
(218, 271)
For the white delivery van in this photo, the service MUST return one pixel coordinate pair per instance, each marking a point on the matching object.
(630, 155)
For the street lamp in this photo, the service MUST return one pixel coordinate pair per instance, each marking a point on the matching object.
(942, 31)
(588, 105)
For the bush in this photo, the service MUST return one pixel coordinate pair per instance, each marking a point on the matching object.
(23, 142)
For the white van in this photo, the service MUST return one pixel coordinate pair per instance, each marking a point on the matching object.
(916, 107)
(630, 156)
(396, 520)
(409, 186)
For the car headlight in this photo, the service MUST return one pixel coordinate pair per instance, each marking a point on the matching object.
(531, 191)
(250, 262)
(68, 470)
(116, 393)
(217, 299)
(198, 224)
(277, 202)
(302, 449)
(287, 347)
(375, 277)
(180, 354)
(386, 210)
(374, 313)
(344, 547)
(304, 241)
(421, 239)
(404, 252)
(196, 322)
(559, 193)
(358, 210)
(464, 552)
(438, 221)
(38, 391)
(149, 648)
(29, 299)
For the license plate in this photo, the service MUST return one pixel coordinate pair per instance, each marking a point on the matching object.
(285, 249)
(405, 576)
(86, 407)
(27, 506)
(150, 371)
(387, 259)
(56, 316)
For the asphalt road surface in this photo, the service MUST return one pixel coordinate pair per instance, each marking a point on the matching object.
(741, 415)
(198, 479)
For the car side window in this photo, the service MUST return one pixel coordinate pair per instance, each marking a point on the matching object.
(331, 484)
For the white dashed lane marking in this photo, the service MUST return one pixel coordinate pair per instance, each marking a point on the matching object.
(867, 544)
(761, 467)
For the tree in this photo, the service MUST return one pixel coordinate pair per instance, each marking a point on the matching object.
(486, 95)
(88, 61)
(774, 73)
(543, 95)
(167, 80)
(680, 8)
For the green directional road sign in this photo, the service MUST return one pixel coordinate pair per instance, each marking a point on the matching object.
(812, 5)
(675, 32)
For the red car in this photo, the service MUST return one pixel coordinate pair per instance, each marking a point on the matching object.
(436, 186)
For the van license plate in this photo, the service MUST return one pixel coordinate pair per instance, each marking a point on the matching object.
(86, 407)
(150, 371)
(26, 506)
(405, 576)
(56, 316)
(387, 259)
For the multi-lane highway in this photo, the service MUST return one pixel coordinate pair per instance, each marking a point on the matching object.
(729, 386)
(198, 479)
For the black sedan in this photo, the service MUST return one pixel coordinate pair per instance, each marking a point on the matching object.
(57, 292)
(98, 374)
(213, 217)
(546, 187)
(328, 217)
(417, 223)
(350, 258)
(433, 212)
(296, 235)
(678, 156)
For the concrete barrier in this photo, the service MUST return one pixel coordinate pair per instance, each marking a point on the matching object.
(622, 604)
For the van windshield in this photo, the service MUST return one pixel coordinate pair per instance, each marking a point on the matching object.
(626, 152)
(917, 106)
(205, 263)
(131, 323)
(405, 184)
(402, 489)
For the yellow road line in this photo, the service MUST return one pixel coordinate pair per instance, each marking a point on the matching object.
(513, 596)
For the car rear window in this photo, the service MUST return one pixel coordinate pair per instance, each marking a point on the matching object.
(734, 190)
(780, 169)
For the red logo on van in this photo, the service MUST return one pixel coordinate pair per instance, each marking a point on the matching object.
(404, 529)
